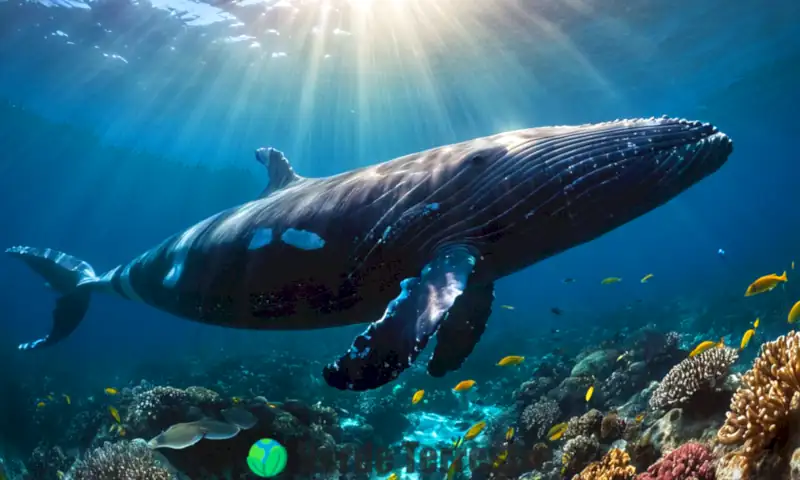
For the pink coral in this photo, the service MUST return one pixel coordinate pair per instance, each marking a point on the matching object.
(691, 461)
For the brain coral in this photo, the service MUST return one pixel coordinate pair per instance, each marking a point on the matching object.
(691, 461)
(613, 466)
(694, 374)
(761, 407)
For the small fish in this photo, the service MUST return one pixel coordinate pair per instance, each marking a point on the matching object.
(646, 278)
(509, 434)
(557, 431)
(757, 323)
(121, 432)
(40, 405)
(792, 264)
(623, 356)
(474, 430)
(59, 474)
(501, 459)
(765, 284)
(111, 391)
(113, 427)
(746, 338)
(556, 311)
(702, 347)
(451, 472)
(114, 413)
(589, 393)
(417, 397)
(569, 280)
(510, 360)
(236, 400)
(610, 280)
(50, 397)
(794, 313)
(393, 476)
(507, 307)
(464, 385)
(457, 441)
(639, 418)
(67, 399)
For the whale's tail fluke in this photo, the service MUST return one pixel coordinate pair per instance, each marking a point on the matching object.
(70, 277)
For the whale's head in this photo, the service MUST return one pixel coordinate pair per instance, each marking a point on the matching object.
(562, 186)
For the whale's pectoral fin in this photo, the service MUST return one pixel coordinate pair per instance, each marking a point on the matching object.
(462, 329)
(279, 169)
(391, 344)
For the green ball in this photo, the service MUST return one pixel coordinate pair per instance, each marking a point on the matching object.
(267, 458)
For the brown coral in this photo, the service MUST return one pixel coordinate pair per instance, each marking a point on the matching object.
(611, 427)
(613, 466)
(761, 407)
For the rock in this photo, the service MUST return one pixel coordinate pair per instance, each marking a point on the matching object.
(598, 364)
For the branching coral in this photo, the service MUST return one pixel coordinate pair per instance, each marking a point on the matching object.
(613, 466)
(691, 461)
(693, 375)
(540, 416)
(119, 461)
(761, 407)
(578, 452)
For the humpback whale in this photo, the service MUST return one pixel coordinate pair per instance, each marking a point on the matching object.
(411, 246)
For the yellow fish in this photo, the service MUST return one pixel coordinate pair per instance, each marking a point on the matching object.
(557, 431)
(792, 264)
(236, 400)
(111, 391)
(702, 347)
(464, 385)
(501, 459)
(457, 442)
(67, 399)
(451, 472)
(475, 430)
(121, 432)
(507, 307)
(417, 397)
(623, 355)
(59, 474)
(392, 477)
(765, 284)
(757, 323)
(40, 405)
(640, 417)
(510, 360)
(589, 393)
(50, 397)
(114, 413)
(794, 313)
(509, 433)
(746, 338)
(646, 278)
(610, 280)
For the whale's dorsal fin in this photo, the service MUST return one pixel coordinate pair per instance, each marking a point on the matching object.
(279, 169)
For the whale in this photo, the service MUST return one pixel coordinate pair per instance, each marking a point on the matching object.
(411, 247)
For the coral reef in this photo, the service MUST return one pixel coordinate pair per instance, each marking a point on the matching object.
(766, 405)
(611, 427)
(694, 375)
(119, 461)
(578, 452)
(540, 416)
(691, 461)
(613, 466)
(586, 425)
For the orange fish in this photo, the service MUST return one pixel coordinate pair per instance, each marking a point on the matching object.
(765, 284)
(464, 385)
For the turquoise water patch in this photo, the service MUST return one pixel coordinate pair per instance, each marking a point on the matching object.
(302, 239)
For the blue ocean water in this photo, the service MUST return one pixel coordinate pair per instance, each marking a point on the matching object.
(123, 122)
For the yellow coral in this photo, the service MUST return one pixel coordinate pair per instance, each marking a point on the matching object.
(613, 466)
(760, 408)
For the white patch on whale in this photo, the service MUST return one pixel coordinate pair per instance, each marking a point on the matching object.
(302, 239)
(179, 253)
(261, 238)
